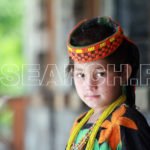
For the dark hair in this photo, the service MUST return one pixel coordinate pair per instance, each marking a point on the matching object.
(127, 53)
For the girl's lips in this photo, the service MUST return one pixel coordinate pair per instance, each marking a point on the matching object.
(92, 96)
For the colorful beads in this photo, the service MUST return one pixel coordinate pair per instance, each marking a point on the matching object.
(83, 141)
(107, 46)
(102, 44)
(91, 49)
(79, 51)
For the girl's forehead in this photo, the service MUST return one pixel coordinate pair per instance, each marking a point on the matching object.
(98, 64)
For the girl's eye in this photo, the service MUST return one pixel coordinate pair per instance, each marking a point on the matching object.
(80, 75)
(100, 74)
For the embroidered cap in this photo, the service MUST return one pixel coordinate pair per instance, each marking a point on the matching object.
(99, 49)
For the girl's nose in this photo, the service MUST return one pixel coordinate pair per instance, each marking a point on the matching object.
(91, 83)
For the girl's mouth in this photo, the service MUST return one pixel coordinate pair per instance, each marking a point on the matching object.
(92, 96)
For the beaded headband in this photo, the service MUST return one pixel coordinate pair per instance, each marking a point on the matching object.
(96, 50)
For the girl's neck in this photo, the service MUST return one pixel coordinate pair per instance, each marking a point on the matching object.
(97, 113)
(99, 110)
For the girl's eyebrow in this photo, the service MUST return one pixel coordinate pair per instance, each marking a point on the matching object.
(100, 67)
(81, 69)
(78, 69)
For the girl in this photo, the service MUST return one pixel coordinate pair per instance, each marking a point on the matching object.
(104, 64)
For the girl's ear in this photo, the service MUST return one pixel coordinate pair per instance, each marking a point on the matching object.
(127, 70)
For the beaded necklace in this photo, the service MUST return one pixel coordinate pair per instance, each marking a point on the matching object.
(83, 141)
(94, 131)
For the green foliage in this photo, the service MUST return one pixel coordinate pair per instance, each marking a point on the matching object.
(6, 117)
(11, 18)
(6, 120)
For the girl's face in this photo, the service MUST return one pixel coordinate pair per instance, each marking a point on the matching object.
(97, 84)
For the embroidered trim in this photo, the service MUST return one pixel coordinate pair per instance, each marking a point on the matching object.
(97, 50)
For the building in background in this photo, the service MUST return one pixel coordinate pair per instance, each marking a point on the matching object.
(45, 113)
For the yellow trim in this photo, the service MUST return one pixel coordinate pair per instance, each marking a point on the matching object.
(79, 51)
(70, 49)
(102, 44)
(112, 39)
(91, 49)
(104, 115)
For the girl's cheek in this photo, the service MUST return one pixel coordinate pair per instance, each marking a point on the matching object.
(110, 81)
(78, 84)
(102, 81)
(78, 80)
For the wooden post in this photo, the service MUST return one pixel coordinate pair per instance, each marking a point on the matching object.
(92, 8)
(18, 107)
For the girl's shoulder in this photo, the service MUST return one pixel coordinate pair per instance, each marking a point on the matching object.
(126, 128)
(123, 111)
(77, 120)
(134, 128)
(80, 117)
(131, 114)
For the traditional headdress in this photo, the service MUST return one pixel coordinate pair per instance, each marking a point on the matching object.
(99, 49)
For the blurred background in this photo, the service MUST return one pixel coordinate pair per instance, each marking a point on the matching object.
(38, 102)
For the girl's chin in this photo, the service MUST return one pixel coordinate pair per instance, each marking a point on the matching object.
(95, 106)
